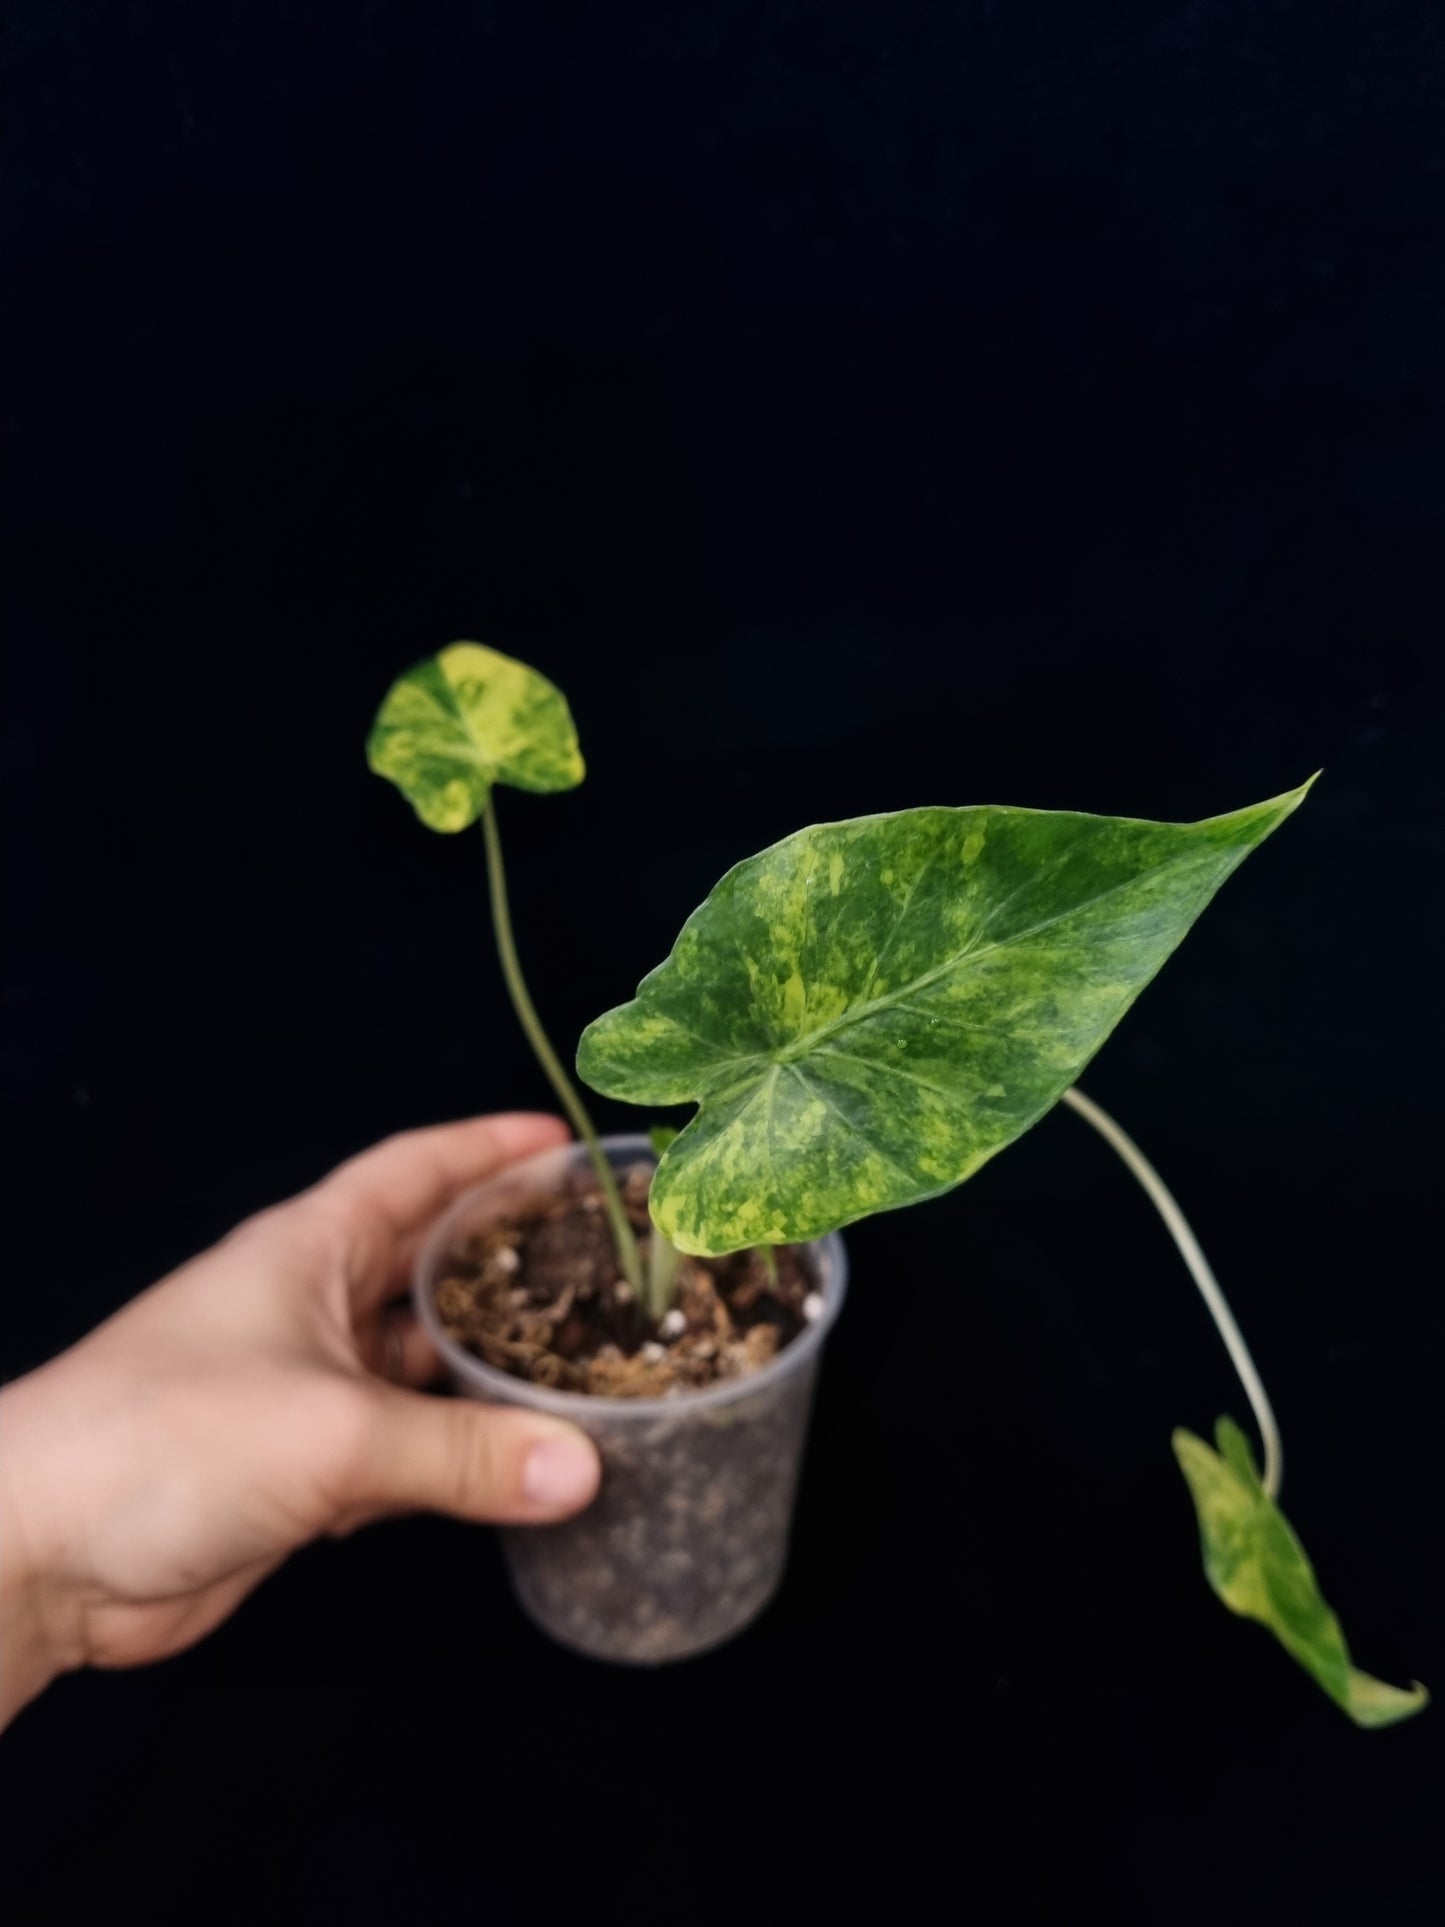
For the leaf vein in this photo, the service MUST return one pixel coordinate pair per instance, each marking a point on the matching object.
(817, 1090)
(970, 955)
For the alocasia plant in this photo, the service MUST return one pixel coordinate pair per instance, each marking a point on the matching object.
(864, 1014)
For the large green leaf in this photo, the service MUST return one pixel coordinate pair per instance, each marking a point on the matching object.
(869, 1010)
(465, 719)
(1259, 1569)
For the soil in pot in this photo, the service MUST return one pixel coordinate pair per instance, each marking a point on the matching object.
(539, 1295)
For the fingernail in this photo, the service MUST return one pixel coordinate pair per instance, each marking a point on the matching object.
(560, 1472)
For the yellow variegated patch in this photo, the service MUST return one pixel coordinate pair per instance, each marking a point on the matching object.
(465, 719)
(1259, 1569)
(869, 1010)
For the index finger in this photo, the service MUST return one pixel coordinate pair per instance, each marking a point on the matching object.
(392, 1191)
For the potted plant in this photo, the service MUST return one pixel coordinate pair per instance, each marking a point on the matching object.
(863, 1015)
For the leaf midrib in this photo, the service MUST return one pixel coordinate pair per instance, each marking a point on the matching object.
(449, 712)
(801, 1046)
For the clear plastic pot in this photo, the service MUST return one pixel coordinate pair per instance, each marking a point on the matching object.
(686, 1541)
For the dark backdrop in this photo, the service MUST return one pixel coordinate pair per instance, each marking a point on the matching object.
(850, 407)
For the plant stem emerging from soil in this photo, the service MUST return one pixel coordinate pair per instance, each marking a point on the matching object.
(627, 1252)
(663, 1260)
(1203, 1276)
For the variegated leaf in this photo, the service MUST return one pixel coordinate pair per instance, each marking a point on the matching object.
(1259, 1569)
(869, 1010)
(463, 720)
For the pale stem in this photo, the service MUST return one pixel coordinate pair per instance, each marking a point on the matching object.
(663, 1260)
(622, 1236)
(1203, 1276)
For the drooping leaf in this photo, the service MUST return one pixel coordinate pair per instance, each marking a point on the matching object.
(1259, 1569)
(463, 720)
(869, 1010)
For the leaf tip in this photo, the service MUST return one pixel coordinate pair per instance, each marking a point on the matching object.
(1372, 1703)
(1297, 796)
(1236, 1451)
(1288, 801)
(1196, 1459)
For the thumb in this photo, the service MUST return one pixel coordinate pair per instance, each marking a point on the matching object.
(485, 1462)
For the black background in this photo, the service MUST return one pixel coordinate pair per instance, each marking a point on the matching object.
(850, 407)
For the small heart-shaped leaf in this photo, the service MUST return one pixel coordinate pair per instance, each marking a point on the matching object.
(1259, 1569)
(470, 717)
(869, 1010)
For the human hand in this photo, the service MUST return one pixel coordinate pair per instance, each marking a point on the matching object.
(155, 1473)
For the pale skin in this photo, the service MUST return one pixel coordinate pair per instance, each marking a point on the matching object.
(268, 1393)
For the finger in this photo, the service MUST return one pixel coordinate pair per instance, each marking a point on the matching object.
(483, 1462)
(399, 1270)
(410, 1177)
(387, 1194)
(383, 1284)
(400, 1350)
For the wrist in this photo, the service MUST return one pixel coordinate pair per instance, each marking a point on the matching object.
(39, 1639)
